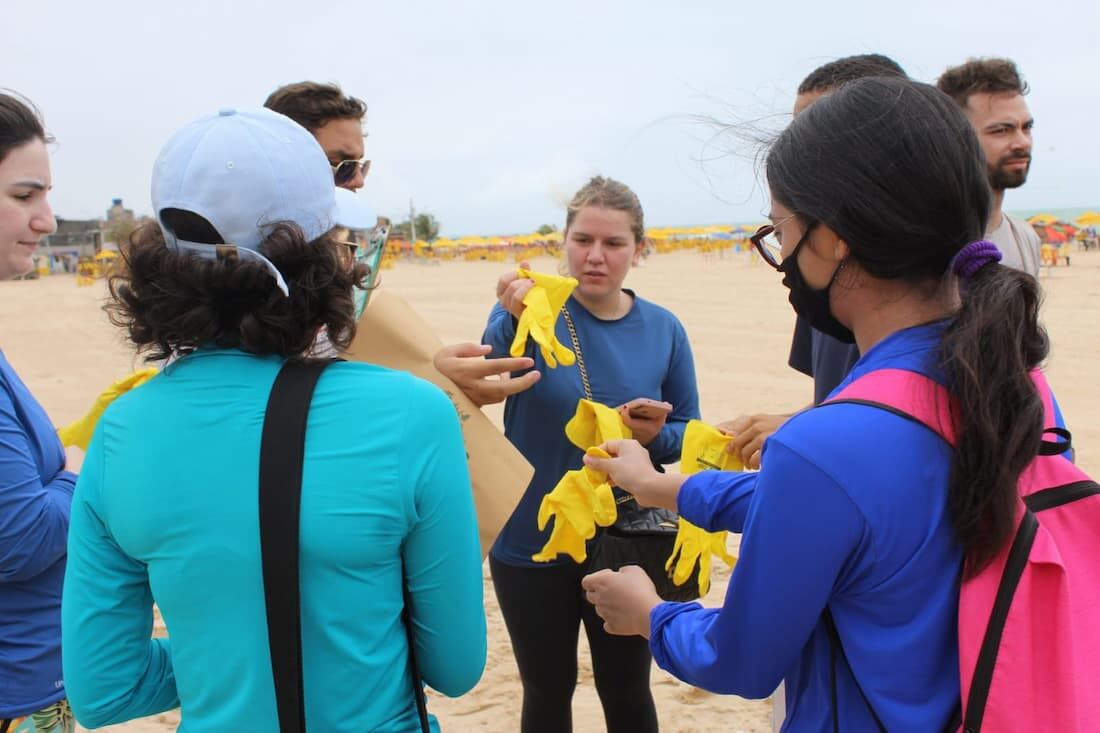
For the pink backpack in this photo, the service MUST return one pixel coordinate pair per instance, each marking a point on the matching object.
(1029, 624)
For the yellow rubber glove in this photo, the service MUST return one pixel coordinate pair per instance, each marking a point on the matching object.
(542, 304)
(594, 424)
(704, 449)
(79, 433)
(581, 500)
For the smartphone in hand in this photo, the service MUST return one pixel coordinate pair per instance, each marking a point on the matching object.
(644, 408)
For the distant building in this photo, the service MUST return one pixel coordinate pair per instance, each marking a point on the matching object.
(75, 236)
(118, 212)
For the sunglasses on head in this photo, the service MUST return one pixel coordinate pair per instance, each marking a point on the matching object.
(345, 170)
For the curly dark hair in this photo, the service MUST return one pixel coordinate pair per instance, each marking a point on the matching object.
(312, 104)
(832, 75)
(978, 76)
(172, 302)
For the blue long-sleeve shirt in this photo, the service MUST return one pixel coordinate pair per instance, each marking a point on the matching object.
(643, 354)
(35, 494)
(848, 511)
(166, 510)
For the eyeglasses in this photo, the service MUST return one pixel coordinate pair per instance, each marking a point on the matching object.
(768, 244)
(345, 170)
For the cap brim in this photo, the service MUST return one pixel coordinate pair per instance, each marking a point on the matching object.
(353, 211)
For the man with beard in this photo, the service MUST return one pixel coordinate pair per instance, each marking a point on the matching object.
(991, 94)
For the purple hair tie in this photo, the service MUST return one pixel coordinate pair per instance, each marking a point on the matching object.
(974, 257)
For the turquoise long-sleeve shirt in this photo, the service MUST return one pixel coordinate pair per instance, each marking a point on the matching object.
(166, 510)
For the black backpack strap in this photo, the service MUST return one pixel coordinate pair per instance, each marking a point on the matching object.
(282, 452)
(991, 643)
(837, 648)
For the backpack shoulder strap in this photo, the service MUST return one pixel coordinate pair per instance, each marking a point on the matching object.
(282, 457)
(282, 453)
(906, 394)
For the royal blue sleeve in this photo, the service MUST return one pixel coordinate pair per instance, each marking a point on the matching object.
(717, 500)
(34, 514)
(114, 671)
(499, 332)
(680, 390)
(800, 531)
(442, 554)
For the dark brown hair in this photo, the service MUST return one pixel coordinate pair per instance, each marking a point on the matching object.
(978, 76)
(19, 124)
(828, 77)
(609, 194)
(312, 104)
(895, 169)
(173, 302)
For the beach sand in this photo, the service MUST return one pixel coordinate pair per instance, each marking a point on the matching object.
(739, 323)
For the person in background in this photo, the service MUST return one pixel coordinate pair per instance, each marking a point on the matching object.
(35, 488)
(336, 120)
(166, 511)
(631, 348)
(990, 92)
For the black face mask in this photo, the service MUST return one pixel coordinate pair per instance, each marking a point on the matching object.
(811, 304)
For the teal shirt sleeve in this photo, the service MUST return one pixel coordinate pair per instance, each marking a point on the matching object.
(442, 554)
(114, 671)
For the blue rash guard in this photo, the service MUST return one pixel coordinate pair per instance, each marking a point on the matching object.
(166, 509)
(35, 494)
(643, 354)
(848, 511)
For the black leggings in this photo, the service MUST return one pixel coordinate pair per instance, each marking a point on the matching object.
(543, 608)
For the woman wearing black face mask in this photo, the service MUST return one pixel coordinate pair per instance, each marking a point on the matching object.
(809, 302)
(859, 514)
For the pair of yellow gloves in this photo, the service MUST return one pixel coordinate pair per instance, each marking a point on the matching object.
(79, 433)
(542, 304)
(583, 500)
(704, 449)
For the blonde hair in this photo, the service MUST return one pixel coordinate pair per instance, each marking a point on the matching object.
(609, 194)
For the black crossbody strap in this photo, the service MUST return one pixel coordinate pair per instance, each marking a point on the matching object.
(282, 456)
(282, 453)
(418, 689)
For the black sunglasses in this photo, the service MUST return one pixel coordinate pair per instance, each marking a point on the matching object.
(345, 170)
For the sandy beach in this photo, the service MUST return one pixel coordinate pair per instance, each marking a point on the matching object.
(736, 314)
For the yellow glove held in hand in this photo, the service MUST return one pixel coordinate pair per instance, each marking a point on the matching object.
(695, 545)
(704, 450)
(542, 304)
(79, 433)
(594, 424)
(580, 501)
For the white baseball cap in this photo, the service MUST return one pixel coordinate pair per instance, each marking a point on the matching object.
(245, 171)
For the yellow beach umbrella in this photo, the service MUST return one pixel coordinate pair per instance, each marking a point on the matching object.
(1042, 219)
(1089, 219)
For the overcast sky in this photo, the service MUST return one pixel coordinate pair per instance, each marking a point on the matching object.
(489, 114)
